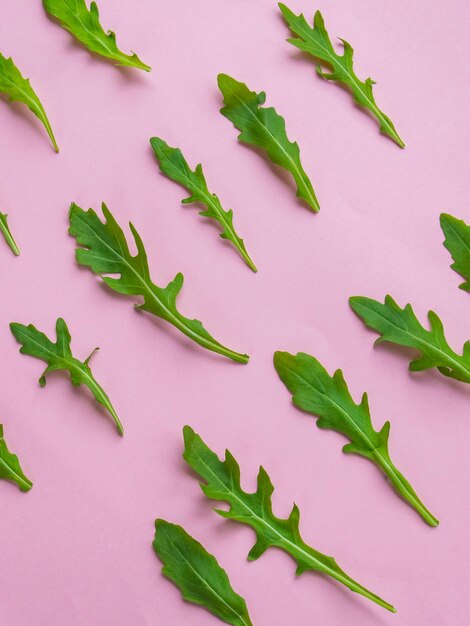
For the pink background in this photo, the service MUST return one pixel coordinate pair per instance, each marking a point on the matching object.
(76, 550)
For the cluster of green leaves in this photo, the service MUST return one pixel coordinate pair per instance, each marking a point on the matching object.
(316, 42)
(197, 574)
(10, 467)
(222, 482)
(174, 165)
(7, 234)
(328, 397)
(457, 242)
(59, 357)
(104, 250)
(264, 128)
(84, 25)
(18, 89)
(402, 327)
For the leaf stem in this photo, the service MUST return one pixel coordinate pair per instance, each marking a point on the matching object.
(7, 234)
(103, 398)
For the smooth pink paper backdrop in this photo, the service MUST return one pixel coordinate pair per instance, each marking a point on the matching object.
(76, 550)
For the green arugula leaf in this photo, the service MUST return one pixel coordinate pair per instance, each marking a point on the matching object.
(84, 25)
(18, 89)
(264, 128)
(457, 241)
(7, 234)
(316, 42)
(174, 165)
(105, 251)
(197, 574)
(10, 467)
(58, 356)
(401, 326)
(222, 482)
(315, 391)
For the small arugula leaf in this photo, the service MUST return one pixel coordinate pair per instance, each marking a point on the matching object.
(316, 42)
(174, 165)
(222, 482)
(264, 128)
(401, 326)
(197, 574)
(84, 25)
(457, 241)
(10, 467)
(315, 391)
(105, 251)
(58, 356)
(7, 234)
(18, 89)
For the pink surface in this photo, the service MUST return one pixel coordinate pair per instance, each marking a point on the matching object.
(76, 550)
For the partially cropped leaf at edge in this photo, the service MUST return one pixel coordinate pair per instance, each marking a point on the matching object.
(316, 42)
(4, 227)
(173, 164)
(84, 25)
(104, 250)
(197, 574)
(457, 242)
(222, 482)
(264, 128)
(10, 468)
(58, 356)
(328, 398)
(402, 327)
(18, 89)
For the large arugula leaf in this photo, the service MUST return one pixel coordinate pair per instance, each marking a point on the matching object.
(316, 42)
(402, 327)
(10, 467)
(264, 128)
(105, 251)
(197, 574)
(315, 391)
(222, 482)
(457, 241)
(7, 234)
(84, 25)
(174, 165)
(18, 88)
(58, 356)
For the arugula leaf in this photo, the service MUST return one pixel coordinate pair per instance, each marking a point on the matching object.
(18, 88)
(457, 241)
(174, 165)
(58, 356)
(222, 482)
(105, 251)
(10, 467)
(197, 574)
(84, 25)
(7, 234)
(401, 326)
(264, 128)
(315, 391)
(316, 42)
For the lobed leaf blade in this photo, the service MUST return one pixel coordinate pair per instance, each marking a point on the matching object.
(197, 574)
(59, 357)
(316, 42)
(18, 89)
(264, 128)
(457, 242)
(173, 164)
(104, 250)
(328, 398)
(84, 24)
(10, 468)
(402, 327)
(222, 482)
